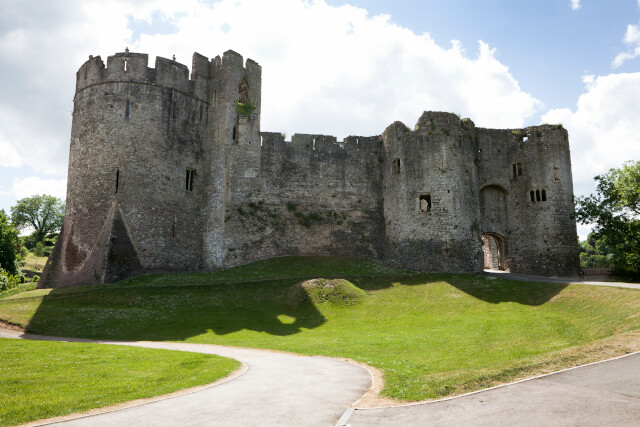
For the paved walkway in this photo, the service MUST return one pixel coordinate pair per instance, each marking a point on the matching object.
(588, 281)
(601, 394)
(278, 389)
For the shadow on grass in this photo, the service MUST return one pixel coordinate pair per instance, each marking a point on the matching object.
(177, 312)
(254, 297)
(495, 291)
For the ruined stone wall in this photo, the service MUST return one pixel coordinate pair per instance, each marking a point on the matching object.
(431, 195)
(310, 196)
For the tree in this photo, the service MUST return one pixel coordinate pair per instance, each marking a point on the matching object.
(44, 213)
(596, 253)
(8, 245)
(615, 212)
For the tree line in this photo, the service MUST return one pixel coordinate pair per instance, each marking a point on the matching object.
(44, 214)
(614, 211)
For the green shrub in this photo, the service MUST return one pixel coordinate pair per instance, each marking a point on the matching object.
(245, 109)
(39, 249)
(35, 279)
(9, 281)
(29, 241)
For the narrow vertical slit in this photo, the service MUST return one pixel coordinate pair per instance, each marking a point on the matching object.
(126, 113)
(117, 180)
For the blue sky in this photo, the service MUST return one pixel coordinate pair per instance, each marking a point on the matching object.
(546, 44)
(339, 68)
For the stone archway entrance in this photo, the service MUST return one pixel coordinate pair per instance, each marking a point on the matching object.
(493, 251)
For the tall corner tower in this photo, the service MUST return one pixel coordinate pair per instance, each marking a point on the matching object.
(134, 184)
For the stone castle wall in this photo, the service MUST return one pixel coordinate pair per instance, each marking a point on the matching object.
(165, 175)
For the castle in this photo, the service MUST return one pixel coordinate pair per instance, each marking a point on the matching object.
(169, 172)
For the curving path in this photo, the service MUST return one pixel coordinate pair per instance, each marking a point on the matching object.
(601, 394)
(277, 389)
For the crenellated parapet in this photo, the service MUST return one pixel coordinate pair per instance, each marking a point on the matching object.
(130, 67)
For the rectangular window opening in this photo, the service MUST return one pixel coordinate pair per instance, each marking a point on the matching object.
(117, 180)
(425, 202)
(189, 180)
(516, 169)
(537, 195)
(126, 65)
(532, 195)
(396, 167)
(126, 112)
(233, 135)
(544, 195)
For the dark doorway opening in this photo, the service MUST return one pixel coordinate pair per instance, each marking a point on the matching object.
(493, 251)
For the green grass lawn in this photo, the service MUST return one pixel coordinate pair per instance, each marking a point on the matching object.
(34, 263)
(431, 335)
(40, 379)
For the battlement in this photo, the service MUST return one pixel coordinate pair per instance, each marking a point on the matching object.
(320, 144)
(131, 67)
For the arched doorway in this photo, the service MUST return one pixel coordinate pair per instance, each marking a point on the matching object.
(493, 251)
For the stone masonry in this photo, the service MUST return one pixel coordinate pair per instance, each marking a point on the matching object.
(167, 174)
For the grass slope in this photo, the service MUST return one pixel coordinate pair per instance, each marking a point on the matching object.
(40, 379)
(432, 335)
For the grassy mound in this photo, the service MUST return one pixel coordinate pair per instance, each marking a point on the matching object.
(431, 335)
(40, 379)
(319, 291)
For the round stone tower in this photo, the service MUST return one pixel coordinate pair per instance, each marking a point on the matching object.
(136, 168)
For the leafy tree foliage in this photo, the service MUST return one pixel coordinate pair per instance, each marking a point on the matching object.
(8, 245)
(596, 253)
(615, 212)
(44, 213)
(39, 249)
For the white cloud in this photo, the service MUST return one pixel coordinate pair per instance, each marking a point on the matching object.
(575, 4)
(604, 128)
(34, 185)
(345, 71)
(333, 70)
(632, 40)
